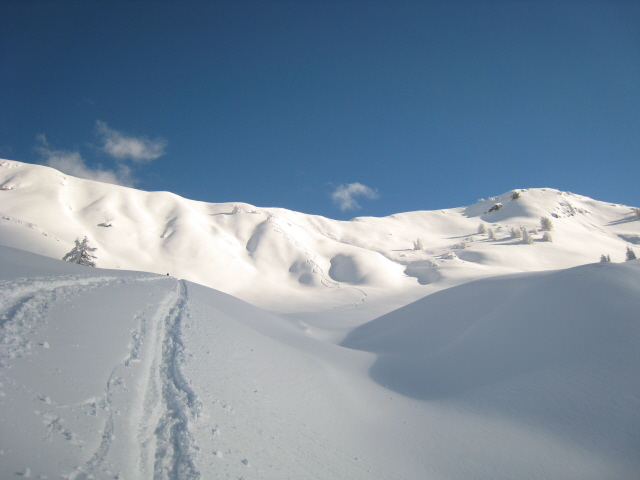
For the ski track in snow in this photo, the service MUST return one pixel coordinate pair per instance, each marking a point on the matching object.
(175, 446)
(168, 450)
(315, 267)
(24, 302)
(170, 402)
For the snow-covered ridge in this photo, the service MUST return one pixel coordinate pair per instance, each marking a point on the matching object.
(289, 261)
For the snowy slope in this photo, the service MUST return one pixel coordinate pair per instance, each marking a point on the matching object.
(500, 360)
(290, 262)
(118, 374)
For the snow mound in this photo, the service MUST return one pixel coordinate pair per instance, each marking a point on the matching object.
(556, 350)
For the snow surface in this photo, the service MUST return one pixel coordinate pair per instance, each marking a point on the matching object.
(515, 361)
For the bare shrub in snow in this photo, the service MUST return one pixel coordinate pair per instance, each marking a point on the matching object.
(495, 208)
(515, 196)
(82, 254)
(482, 228)
(491, 234)
(417, 245)
(631, 255)
(526, 236)
(547, 237)
(516, 233)
(605, 258)
(462, 245)
(546, 224)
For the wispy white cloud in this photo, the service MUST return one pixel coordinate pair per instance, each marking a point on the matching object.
(121, 146)
(344, 195)
(71, 163)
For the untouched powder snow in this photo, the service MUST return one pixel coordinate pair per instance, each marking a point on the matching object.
(357, 357)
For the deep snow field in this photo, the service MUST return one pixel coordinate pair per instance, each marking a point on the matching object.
(356, 356)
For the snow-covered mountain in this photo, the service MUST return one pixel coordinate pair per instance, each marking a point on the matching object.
(291, 262)
(514, 361)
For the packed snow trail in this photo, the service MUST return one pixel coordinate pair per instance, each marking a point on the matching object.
(176, 450)
(24, 303)
(27, 306)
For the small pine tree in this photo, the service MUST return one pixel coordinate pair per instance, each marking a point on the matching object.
(482, 228)
(546, 224)
(630, 254)
(547, 237)
(526, 236)
(491, 234)
(82, 254)
(516, 233)
(605, 258)
(417, 245)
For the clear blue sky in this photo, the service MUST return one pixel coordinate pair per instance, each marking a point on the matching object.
(431, 104)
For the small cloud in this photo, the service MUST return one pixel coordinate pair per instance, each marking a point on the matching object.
(72, 163)
(344, 195)
(121, 146)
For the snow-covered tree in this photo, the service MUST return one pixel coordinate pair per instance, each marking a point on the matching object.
(82, 254)
(637, 212)
(482, 228)
(526, 236)
(605, 258)
(516, 233)
(515, 196)
(631, 255)
(546, 224)
(417, 245)
(491, 234)
(547, 237)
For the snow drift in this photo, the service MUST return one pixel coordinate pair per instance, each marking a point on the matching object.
(558, 350)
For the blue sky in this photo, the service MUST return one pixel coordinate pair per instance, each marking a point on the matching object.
(336, 108)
